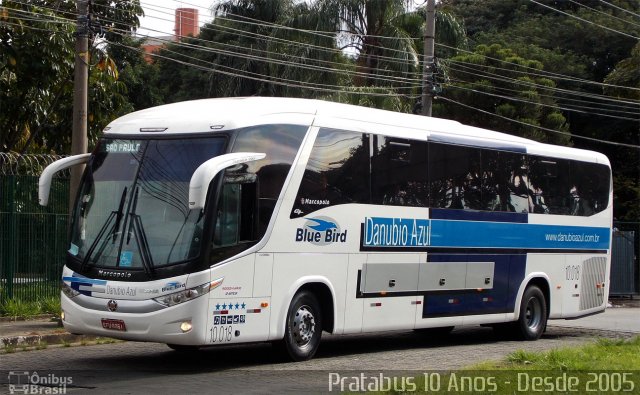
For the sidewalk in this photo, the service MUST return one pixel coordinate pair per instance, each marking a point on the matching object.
(35, 332)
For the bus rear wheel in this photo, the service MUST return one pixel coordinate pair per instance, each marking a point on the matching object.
(303, 327)
(533, 314)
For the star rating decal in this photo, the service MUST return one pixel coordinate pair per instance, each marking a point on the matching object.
(231, 306)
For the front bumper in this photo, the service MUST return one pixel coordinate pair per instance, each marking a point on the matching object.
(162, 325)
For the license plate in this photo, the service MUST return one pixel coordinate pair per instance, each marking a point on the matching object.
(114, 325)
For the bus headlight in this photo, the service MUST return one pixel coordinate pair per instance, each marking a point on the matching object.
(67, 290)
(188, 294)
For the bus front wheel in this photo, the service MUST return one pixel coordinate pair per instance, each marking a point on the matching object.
(303, 327)
(533, 314)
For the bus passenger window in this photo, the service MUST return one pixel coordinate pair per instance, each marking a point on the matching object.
(454, 177)
(589, 188)
(399, 172)
(549, 185)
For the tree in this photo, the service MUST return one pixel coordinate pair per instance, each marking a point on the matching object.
(627, 160)
(252, 47)
(599, 51)
(36, 72)
(533, 104)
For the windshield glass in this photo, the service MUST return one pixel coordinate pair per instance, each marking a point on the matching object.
(132, 211)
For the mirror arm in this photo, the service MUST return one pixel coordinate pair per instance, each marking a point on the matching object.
(205, 173)
(44, 183)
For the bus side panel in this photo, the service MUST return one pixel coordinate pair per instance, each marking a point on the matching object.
(552, 265)
(292, 271)
(353, 307)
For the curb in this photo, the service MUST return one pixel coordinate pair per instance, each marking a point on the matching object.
(28, 318)
(37, 340)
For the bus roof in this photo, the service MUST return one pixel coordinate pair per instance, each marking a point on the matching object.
(207, 115)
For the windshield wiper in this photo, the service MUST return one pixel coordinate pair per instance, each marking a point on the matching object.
(140, 235)
(114, 230)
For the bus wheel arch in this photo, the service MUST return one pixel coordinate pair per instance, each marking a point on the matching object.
(325, 298)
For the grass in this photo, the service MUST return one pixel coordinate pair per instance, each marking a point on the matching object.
(606, 366)
(603, 354)
(20, 308)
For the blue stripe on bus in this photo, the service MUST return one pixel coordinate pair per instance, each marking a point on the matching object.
(512, 235)
(84, 280)
(384, 233)
(467, 215)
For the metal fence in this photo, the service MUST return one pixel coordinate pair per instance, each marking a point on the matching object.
(623, 263)
(33, 239)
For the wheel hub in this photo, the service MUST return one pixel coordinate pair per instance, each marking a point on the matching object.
(533, 313)
(304, 326)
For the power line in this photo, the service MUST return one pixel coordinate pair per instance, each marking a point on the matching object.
(542, 127)
(540, 103)
(584, 20)
(604, 13)
(481, 73)
(620, 8)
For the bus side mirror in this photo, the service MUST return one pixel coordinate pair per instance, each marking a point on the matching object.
(44, 183)
(201, 178)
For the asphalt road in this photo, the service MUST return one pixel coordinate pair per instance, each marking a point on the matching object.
(147, 368)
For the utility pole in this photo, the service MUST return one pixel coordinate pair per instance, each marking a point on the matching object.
(79, 141)
(429, 47)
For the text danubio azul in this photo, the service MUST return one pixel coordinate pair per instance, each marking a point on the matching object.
(396, 232)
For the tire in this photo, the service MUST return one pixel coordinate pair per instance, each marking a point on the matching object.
(303, 327)
(182, 348)
(533, 314)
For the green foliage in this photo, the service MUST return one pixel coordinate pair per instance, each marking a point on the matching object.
(20, 308)
(472, 83)
(580, 50)
(36, 72)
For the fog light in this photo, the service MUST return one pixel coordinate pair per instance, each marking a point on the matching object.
(62, 315)
(186, 326)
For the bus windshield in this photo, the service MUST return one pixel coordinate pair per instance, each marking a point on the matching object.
(132, 211)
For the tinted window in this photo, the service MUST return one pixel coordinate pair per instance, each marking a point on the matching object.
(337, 172)
(589, 188)
(399, 172)
(281, 144)
(505, 184)
(550, 191)
(455, 177)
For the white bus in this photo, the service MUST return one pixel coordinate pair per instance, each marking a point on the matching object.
(239, 220)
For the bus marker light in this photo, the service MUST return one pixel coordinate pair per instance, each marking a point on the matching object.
(216, 283)
(264, 305)
(152, 130)
(251, 311)
(186, 326)
(479, 289)
(558, 286)
(416, 302)
(383, 293)
(377, 304)
(62, 315)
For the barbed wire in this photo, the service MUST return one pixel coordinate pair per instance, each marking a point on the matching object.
(13, 164)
